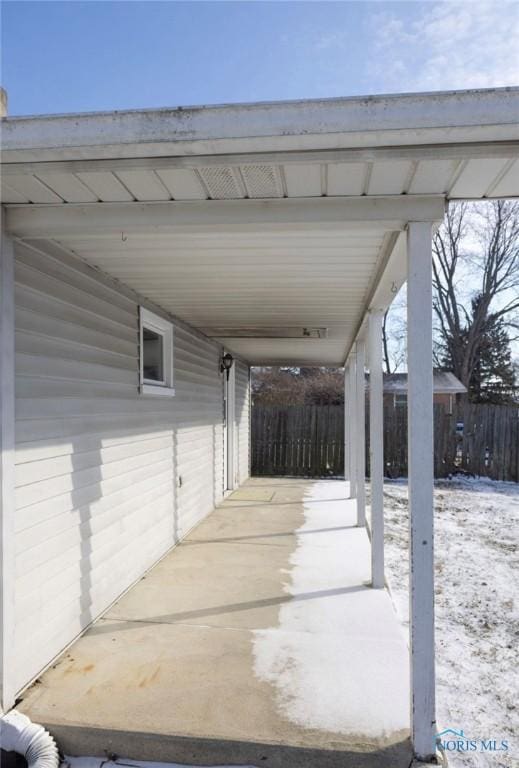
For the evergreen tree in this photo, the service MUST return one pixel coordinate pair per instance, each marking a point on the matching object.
(493, 378)
(492, 372)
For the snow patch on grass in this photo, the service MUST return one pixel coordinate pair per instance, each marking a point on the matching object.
(477, 615)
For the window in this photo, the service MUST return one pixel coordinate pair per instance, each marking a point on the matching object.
(156, 354)
(152, 356)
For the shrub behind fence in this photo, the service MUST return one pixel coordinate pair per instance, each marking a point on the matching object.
(309, 441)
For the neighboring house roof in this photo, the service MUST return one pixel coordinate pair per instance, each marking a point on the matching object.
(444, 382)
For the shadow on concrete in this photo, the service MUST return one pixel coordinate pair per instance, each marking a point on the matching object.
(231, 539)
(264, 481)
(200, 613)
(247, 503)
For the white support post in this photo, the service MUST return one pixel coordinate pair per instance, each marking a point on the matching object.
(351, 425)
(231, 428)
(346, 419)
(6, 472)
(421, 486)
(376, 448)
(360, 392)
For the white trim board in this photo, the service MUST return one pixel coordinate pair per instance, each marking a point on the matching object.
(7, 471)
(366, 121)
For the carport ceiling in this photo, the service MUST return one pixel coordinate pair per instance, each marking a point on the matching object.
(247, 220)
(252, 289)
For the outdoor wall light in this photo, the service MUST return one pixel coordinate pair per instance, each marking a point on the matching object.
(226, 365)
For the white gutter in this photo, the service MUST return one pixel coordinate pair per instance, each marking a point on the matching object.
(371, 121)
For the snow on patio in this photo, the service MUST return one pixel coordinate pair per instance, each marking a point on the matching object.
(477, 628)
(348, 634)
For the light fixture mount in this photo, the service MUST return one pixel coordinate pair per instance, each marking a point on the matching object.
(226, 364)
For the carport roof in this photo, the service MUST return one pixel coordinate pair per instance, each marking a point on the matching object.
(258, 223)
(444, 382)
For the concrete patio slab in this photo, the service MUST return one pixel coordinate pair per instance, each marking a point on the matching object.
(255, 642)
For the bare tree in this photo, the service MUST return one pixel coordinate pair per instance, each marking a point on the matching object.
(476, 283)
(394, 335)
(385, 344)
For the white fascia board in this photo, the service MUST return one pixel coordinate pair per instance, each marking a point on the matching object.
(388, 284)
(386, 288)
(95, 219)
(416, 153)
(392, 278)
(373, 121)
(7, 472)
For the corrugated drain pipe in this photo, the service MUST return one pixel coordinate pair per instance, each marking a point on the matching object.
(33, 742)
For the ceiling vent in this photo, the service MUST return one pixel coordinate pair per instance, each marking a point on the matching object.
(230, 183)
(262, 180)
(223, 183)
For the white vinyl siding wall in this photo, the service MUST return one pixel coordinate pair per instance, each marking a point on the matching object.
(242, 415)
(107, 479)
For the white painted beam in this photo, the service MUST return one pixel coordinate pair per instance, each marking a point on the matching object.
(376, 448)
(360, 436)
(92, 220)
(7, 468)
(421, 520)
(352, 434)
(392, 277)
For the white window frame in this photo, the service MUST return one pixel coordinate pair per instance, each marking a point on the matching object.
(164, 328)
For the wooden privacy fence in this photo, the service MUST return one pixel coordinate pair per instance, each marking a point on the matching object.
(309, 441)
(298, 440)
(490, 444)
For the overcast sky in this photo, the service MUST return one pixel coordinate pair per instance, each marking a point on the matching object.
(83, 56)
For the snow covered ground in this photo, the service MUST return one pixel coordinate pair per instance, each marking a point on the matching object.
(477, 612)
